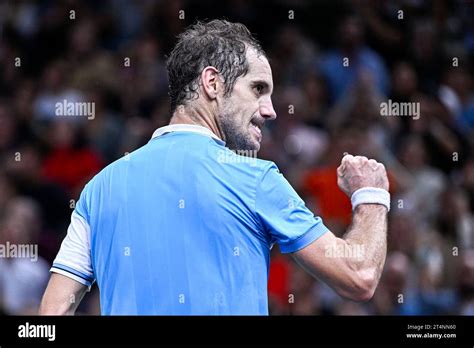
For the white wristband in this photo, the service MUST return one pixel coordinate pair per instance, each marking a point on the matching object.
(370, 195)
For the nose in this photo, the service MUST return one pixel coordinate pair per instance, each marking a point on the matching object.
(266, 109)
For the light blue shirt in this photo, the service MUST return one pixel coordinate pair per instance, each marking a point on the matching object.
(184, 226)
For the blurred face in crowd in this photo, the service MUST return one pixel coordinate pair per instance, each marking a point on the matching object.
(413, 154)
(460, 81)
(83, 37)
(466, 273)
(242, 114)
(21, 222)
(396, 270)
(404, 79)
(63, 133)
(351, 33)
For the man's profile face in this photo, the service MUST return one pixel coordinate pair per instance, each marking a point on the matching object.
(244, 112)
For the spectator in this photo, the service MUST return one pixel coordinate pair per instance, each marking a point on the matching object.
(22, 279)
(348, 63)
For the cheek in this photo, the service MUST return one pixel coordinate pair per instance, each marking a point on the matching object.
(247, 109)
(241, 106)
(239, 109)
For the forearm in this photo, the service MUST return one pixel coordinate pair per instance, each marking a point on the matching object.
(368, 235)
(351, 265)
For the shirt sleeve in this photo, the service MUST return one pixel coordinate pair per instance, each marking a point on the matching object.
(74, 256)
(284, 214)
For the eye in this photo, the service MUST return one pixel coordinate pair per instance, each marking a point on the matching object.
(259, 88)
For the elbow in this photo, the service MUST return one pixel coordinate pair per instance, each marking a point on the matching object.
(362, 286)
(50, 309)
(364, 294)
(45, 310)
(367, 283)
(53, 311)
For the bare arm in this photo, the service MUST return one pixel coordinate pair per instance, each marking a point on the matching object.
(352, 265)
(62, 296)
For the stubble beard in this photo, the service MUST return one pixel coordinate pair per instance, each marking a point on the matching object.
(237, 138)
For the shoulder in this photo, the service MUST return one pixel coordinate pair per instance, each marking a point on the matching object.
(112, 172)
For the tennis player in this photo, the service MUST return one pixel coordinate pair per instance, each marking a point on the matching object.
(184, 225)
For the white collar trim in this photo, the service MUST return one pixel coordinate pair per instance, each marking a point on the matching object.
(185, 128)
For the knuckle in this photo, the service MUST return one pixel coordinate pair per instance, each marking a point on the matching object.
(347, 158)
(373, 163)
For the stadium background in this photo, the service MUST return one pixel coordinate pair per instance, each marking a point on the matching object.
(112, 53)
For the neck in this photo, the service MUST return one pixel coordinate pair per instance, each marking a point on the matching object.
(197, 116)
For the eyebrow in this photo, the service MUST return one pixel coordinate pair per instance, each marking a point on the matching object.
(264, 83)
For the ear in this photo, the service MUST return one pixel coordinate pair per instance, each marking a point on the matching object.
(211, 82)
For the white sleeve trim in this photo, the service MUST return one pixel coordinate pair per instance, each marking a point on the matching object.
(74, 256)
(71, 276)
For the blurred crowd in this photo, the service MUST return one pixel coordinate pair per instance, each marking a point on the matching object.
(334, 63)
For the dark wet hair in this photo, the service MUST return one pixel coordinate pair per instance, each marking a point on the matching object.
(217, 43)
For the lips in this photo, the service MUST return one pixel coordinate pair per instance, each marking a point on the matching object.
(255, 128)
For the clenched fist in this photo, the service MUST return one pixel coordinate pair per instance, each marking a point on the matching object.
(356, 172)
